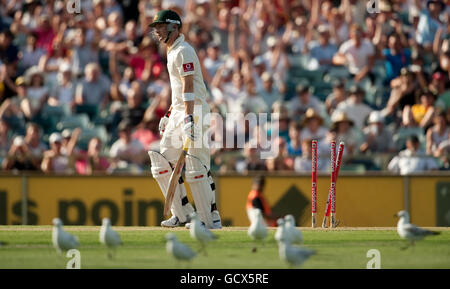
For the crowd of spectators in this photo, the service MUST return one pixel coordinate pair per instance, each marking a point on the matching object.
(83, 84)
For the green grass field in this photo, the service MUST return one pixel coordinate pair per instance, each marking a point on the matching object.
(144, 247)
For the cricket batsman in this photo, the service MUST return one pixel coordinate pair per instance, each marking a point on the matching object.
(188, 102)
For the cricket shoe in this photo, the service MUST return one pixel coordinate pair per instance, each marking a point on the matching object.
(217, 223)
(172, 222)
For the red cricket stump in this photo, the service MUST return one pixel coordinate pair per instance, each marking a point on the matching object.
(332, 198)
(314, 183)
(332, 177)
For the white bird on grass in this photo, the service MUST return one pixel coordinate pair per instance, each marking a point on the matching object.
(294, 235)
(62, 241)
(411, 232)
(281, 230)
(294, 256)
(109, 237)
(199, 232)
(258, 229)
(177, 249)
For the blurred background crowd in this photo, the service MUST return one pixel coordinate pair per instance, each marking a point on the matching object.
(83, 84)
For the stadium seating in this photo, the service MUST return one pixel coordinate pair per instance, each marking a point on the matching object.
(404, 132)
(88, 133)
(74, 121)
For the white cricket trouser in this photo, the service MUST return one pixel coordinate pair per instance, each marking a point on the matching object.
(198, 157)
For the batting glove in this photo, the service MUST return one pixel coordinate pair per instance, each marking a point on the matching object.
(163, 123)
(188, 127)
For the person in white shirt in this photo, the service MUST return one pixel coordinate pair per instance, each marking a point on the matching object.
(358, 54)
(412, 159)
(354, 107)
(313, 126)
(188, 100)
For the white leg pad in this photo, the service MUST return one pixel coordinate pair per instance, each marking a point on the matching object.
(214, 211)
(161, 171)
(197, 178)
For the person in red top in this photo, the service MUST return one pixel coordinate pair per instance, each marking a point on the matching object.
(256, 200)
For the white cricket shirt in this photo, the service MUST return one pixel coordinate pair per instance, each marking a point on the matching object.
(182, 61)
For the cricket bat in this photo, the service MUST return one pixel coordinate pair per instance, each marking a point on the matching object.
(175, 176)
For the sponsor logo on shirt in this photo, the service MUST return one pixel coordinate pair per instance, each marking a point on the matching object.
(188, 67)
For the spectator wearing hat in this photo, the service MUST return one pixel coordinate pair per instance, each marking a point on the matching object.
(438, 133)
(412, 159)
(54, 159)
(421, 113)
(322, 51)
(354, 107)
(126, 152)
(358, 54)
(342, 127)
(429, 22)
(302, 101)
(377, 139)
(313, 126)
(337, 96)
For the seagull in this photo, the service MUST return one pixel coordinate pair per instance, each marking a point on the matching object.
(411, 232)
(109, 237)
(177, 249)
(199, 232)
(281, 230)
(294, 235)
(258, 229)
(294, 256)
(62, 241)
